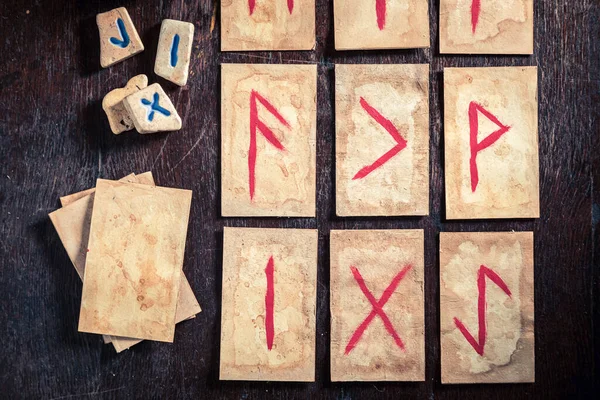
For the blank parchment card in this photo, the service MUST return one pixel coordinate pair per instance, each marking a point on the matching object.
(133, 266)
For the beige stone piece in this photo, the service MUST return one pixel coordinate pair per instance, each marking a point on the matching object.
(279, 102)
(500, 27)
(491, 113)
(289, 258)
(499, 267)
(152, 111)
(113, 106)
(119, 39)
(174, 51)
(133, 266)
(368, 98)
(267, 25)
(386, 260)
(380, 24)
(72, 223)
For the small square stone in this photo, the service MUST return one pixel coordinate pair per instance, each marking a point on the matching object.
(174, 51)
(152, 111)
(119, 39)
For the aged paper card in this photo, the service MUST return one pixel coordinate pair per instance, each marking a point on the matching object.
(268, 140)
(486, 27)
(267, 25)
(486, 307)
(380, 24)
(72, 223)
(491, 142)
(133, 266)
(382, 140)
(377, 314)
(268, 307)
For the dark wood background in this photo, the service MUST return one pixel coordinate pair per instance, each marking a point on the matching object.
(55, 139)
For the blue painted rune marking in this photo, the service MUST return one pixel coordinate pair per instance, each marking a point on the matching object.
(124, 41)
(153, 106)
(174, 48)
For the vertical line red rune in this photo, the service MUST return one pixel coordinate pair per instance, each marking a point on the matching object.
(256, 123)
(475, 10)
(381, 9)
(479, 344)
(475, 146)
(270, 303)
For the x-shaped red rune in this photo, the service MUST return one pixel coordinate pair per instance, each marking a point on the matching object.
(377, 308)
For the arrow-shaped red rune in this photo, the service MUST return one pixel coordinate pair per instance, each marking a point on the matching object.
(255, 124)
(479, 344)
(476, 147)
(391, 129)
(252, 4)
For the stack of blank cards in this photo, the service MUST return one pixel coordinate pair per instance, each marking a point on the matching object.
(126, 240)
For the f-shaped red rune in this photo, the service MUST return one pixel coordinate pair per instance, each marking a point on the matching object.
(479, 344)
(476, 147)
(270, 303)
(377, 308)
(391, 129)
(380, 9)
(475, 10)
(256, 123)
(252, 4)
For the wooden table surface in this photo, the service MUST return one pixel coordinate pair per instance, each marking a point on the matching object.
(55, 139)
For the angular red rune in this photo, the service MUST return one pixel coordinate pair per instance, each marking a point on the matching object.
(256, 123)
(377, 308)
(270, 303)
(252, 4)
(479, 344)
(391, 129)
(475, 146)
(475, 10)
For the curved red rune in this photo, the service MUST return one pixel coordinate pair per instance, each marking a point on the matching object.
(479, 344)
(270, 303)
(475, 10)
(252, 4)
(377, 308)
(391, 129)
(256, 123)
(380, 9)
(489, 140)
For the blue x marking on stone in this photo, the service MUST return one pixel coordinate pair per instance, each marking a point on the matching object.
(153, 106)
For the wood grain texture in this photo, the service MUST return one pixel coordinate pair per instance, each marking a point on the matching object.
(55, 140)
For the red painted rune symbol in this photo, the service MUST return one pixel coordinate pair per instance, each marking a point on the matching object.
(270, 302)
(391, 129)
(475, 146)
(256, 123)
(479, 344)
(380, 9)
(377, 308)
(252, 4)
(475, 10)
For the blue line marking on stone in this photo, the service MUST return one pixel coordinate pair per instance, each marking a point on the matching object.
(154, 106)
(124, 41)
(174, 49)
